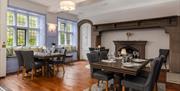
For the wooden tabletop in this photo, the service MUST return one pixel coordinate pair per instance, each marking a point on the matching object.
(117, 67)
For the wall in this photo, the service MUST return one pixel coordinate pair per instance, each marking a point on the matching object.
(156, 37)
(50, 17)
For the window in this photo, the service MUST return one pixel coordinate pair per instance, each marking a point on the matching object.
(21, 37)
(10, 36)
(10, 18)
(21, 20)
(33, 22)
(65, 32)
(24, 28)
(32, 37)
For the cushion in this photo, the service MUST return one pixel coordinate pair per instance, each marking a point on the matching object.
(100, 75)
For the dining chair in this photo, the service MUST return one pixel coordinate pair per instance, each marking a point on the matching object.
(59, 61)
(20, 61)
(164, 52)
(103, 54)
(98, 73)
(144, 84)
(30, 65)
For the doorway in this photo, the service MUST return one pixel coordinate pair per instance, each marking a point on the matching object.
(85, 40)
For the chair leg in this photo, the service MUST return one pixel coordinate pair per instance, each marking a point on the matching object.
(115, 83)
(63, 68)
(155, 87)
(43, 70)
(107, 86)
(18, 71)
(24, 72)
(32, 73)
(54, 69)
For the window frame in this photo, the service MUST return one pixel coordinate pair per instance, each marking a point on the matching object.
(25, 37)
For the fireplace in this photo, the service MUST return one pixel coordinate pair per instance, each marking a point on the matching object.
(131, 46)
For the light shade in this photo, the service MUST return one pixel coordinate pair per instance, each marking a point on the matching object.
(67, 5)
(123, 51)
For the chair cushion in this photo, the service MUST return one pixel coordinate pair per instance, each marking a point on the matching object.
(38, 64)
(134, 82)
(100, 75)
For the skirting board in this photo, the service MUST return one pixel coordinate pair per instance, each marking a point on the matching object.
(173, 77)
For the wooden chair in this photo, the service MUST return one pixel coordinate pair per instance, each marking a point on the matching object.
(30, 65)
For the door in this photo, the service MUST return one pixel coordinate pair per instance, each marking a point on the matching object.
(3, 28)
(85, 40)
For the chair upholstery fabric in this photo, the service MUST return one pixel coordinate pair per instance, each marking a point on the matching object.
(164, 52)
(145, 84)
(20, 58)
(104, 54)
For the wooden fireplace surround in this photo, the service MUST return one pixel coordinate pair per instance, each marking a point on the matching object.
(139, 45)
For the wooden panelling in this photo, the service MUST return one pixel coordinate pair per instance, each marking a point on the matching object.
(139, 24)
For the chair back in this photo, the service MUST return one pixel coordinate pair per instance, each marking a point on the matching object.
(104, 55)
(91, 49)
(154, 73)
(19, 58)
(93, 57)
(28, 57)
(164, 52)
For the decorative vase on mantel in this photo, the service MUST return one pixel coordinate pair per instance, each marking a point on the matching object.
(129, 34)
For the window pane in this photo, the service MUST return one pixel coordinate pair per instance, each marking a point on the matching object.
(21, 37)
(10, 36)
(68, 39)
(33, 22)
(62, 27)
(62, 38)
(21, 20)
(32, 37)
(69, 27)
(10, 18)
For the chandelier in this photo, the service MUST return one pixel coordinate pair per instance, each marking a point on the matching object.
(67, 5)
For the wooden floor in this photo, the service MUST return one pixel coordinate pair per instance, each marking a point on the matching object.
(76, 78)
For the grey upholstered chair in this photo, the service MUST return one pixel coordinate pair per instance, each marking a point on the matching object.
(20, 61)
(98, 73)
(56, 62)
(103, 54)
(164, 52)
(145, 84)
(30, 64)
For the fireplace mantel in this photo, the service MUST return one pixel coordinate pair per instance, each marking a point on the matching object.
(139, 45)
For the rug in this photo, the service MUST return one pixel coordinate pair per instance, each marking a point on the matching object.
(94, 87)
(2, 89)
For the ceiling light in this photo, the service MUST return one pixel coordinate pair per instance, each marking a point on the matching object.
(67, 5)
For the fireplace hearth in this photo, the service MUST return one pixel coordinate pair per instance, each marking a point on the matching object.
(131, 46)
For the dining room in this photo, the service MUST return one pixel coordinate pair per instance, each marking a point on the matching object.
(89, 45)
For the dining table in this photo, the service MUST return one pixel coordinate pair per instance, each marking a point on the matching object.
(46, 57)
(117, 66)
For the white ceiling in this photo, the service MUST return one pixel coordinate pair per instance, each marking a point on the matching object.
(90, 8)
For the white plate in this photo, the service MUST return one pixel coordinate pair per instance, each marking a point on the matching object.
(128, 65)
(108, 61)
(138, 60)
